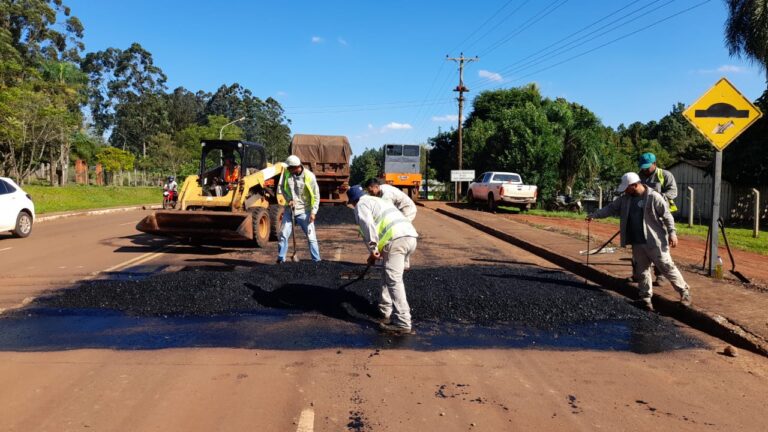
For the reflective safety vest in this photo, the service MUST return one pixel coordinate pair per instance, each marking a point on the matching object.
(660, 176)
(390, 223)
(307, 185)
(231, 175)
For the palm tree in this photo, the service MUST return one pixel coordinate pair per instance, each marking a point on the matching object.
(746, 31)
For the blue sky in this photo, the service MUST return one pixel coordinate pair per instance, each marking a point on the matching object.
(376, 72)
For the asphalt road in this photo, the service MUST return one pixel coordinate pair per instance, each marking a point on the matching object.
(376, 386)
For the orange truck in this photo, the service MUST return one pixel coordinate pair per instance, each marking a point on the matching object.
(402, 167)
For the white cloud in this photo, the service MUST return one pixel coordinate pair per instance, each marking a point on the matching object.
(731, 69)
(723, 69)
(370, 126)
(342, 41)
(317, 40)
(446, 118)
(492, 76)
(396, 126)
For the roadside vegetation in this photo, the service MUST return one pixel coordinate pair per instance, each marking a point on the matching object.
(48, 199)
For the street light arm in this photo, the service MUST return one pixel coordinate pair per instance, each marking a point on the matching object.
(221, 131)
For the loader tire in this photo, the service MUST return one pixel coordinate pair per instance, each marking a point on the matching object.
(260, 227)
(276, 221)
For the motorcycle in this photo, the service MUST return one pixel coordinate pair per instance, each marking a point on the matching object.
(169, 199)
(564, 203)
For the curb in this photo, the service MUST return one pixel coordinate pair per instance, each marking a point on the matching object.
(95, 212)
(711, 323)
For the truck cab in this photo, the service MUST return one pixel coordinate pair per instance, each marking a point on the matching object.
(495, 187)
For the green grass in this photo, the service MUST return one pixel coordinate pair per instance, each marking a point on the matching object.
(738, 238)
(50, 199)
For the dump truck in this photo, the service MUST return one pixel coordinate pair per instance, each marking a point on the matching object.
(327, 157)
(225, 202)
(402, 168)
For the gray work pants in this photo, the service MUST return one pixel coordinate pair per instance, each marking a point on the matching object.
(393, 300)
(644, 255)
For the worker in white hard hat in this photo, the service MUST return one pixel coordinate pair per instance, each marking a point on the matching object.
(302, 195)
(647, 225)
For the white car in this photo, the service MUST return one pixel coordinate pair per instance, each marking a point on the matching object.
(504, 188)
(17, 212)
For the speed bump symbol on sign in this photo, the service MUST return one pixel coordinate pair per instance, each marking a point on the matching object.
(722, 114)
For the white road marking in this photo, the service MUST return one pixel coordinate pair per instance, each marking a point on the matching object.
(5, 249)
(133, 261)
(306, 421)
(127, 223)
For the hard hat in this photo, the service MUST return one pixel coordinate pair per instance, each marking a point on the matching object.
(170, 178)
(293, 161)
(354, 193)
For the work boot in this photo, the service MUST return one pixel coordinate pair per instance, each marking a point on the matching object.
(685, 298)
(384, 319)
(395, 329)
(280, 261)
(644, 304)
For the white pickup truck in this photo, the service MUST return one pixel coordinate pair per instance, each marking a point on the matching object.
(496, 188)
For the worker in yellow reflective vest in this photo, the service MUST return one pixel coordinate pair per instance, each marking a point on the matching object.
(389, 236)
(302, 195)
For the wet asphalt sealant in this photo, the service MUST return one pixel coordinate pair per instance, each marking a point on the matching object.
(299, 306)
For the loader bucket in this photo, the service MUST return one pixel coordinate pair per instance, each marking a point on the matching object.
(199, 225)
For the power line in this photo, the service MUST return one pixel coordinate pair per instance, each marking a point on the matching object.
(543, 57)
(556, 4)
(489, 31)
(616, 39)
(372, 108)
(489, 19)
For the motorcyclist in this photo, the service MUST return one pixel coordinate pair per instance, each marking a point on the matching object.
(171, 185)
(171, 188)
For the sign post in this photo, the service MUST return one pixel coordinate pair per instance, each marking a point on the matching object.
(721, 115)
(458, 176)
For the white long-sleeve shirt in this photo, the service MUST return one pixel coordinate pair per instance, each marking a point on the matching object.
(403, 202)
(370, 211)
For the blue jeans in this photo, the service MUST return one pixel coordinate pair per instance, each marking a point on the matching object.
(302, 220)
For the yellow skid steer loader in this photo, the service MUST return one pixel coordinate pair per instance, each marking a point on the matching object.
(236, 196)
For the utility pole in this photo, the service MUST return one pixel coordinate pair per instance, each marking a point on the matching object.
(461, 89)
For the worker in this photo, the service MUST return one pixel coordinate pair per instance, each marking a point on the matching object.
(647, 225)
(231, 172)
(402, 201)
(662, 182)
(391, 237)
(657, 179)
(302, 195)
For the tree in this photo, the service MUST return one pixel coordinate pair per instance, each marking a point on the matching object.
(368, 164)
(185, 108)
(126, 95)
(115, 160)
(746, 31)
(265, 121)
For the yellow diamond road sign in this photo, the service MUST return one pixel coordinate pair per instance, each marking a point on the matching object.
(722, 114)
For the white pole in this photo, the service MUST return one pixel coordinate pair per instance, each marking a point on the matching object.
(756, 229)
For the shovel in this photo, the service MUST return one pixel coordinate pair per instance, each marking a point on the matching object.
(358, 278)
(603, 248)
(294, 258)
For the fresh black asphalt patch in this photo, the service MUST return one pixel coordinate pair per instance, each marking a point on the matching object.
(299, 306)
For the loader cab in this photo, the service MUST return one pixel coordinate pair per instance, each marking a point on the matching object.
(225, 162)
